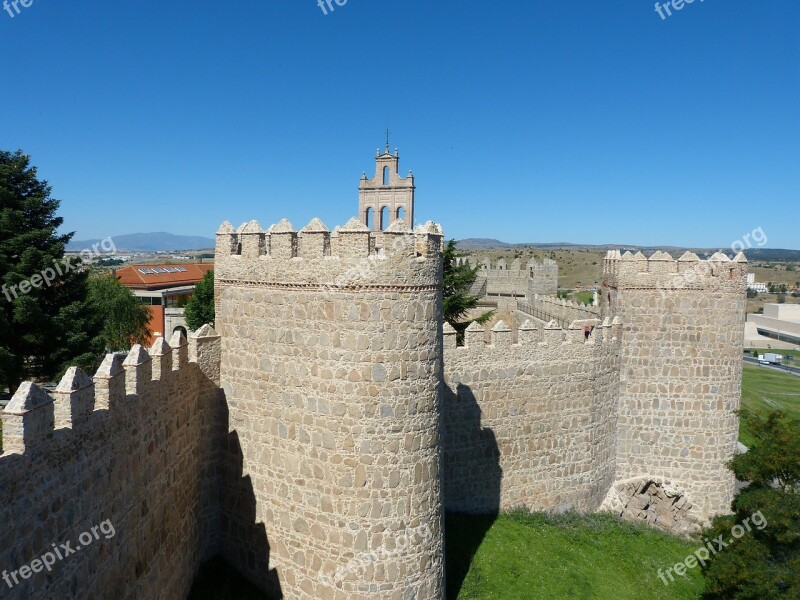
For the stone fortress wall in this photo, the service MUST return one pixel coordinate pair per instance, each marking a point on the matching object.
(681, 372)
(331, 365)
(530, 422)
(316, 441)
(137, 446)
(516, 281)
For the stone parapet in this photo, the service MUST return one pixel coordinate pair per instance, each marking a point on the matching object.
(136, 453)
(530, 419)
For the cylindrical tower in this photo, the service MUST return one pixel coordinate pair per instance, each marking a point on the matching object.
(331, 365)
(681, 371)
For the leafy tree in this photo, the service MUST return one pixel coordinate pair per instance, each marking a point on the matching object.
(457, 281)
(124, 317)
(44, 324)
(765, 563)
(199, 310)
(752, 293)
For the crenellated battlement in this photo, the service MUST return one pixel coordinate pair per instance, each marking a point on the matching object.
(32, 415)
(501, 265)
(546, 406)
(315, 258)
(350, 241)
(587, 334)
(515, 279)
(331, 345)
(661, 271)
(684, 326)
(335, 410)
(135, 446)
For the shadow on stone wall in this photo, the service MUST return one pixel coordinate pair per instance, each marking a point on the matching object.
(471, 479)
(244, 543)
(471, 456)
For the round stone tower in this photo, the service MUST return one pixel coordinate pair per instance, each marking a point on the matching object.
(680, 380)
(331, 366)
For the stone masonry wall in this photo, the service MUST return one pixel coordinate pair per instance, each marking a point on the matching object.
(681, 371)
(517, 280)
(531, 423)
(332, 367)
(135, 449)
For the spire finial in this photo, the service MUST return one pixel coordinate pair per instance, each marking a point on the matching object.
(387, 136)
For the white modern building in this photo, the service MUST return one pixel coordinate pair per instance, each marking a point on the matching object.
(761, 288)
(778, 327)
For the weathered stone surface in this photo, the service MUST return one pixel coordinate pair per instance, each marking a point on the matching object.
(303, 440)
(145, 465)
(681, 370)
(332, 367)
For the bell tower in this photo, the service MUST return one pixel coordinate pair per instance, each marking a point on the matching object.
(387, 196)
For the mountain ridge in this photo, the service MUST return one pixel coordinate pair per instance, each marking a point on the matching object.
(160, 241)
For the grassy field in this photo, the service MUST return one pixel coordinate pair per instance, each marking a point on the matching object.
(753, 304)
(765, 390)
(776, 273)
(531, 557)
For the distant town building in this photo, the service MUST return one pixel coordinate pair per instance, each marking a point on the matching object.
(164, 289)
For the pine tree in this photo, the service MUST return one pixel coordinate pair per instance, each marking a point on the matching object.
(199, 310)
(44, 321)
(457, 281)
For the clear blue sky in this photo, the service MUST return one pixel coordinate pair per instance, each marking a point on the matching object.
(579, 121)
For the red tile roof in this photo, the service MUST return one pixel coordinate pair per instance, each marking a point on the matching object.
(182, 274)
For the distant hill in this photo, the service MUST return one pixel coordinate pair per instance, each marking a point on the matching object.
(762, 254)
(149, 242)
(481, 243)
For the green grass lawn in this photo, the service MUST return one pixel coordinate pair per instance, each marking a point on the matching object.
(535, 556)
(765, 390)
(583, 297)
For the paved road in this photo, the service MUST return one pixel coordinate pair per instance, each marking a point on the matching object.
(782, 368)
